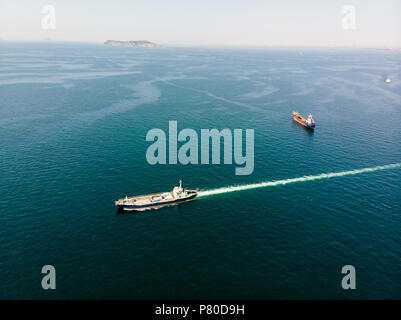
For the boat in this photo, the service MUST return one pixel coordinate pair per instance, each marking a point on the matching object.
(308, 123)
(388, 80)
(156, 200)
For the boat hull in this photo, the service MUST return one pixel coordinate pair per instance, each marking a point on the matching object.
(133, 207)
(302, 121)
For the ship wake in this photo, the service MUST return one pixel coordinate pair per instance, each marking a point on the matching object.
(229, 189)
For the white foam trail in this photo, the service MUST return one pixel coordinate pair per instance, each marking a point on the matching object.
(300, 179)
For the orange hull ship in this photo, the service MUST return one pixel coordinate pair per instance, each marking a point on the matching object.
(307, 123)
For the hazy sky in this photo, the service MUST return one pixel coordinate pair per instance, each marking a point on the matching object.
(207, 22)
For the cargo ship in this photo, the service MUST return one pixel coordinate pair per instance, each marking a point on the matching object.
(308, 123)
(156, 200)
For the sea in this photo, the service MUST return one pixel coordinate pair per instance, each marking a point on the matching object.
(73, 124)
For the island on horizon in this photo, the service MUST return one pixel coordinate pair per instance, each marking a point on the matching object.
(138, 43)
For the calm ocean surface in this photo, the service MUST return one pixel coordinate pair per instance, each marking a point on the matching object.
(73, 121)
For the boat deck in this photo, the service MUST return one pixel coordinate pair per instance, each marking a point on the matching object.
(143, 199)
(179, 194)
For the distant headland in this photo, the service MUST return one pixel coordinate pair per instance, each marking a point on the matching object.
(139, 43)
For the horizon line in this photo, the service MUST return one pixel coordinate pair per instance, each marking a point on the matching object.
(353, 46)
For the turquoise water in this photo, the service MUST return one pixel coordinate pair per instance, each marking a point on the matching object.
(73, 122)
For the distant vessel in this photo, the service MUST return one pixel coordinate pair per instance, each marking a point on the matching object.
(156, 200)
(388, 80)
(138, 43)
(308, 123)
